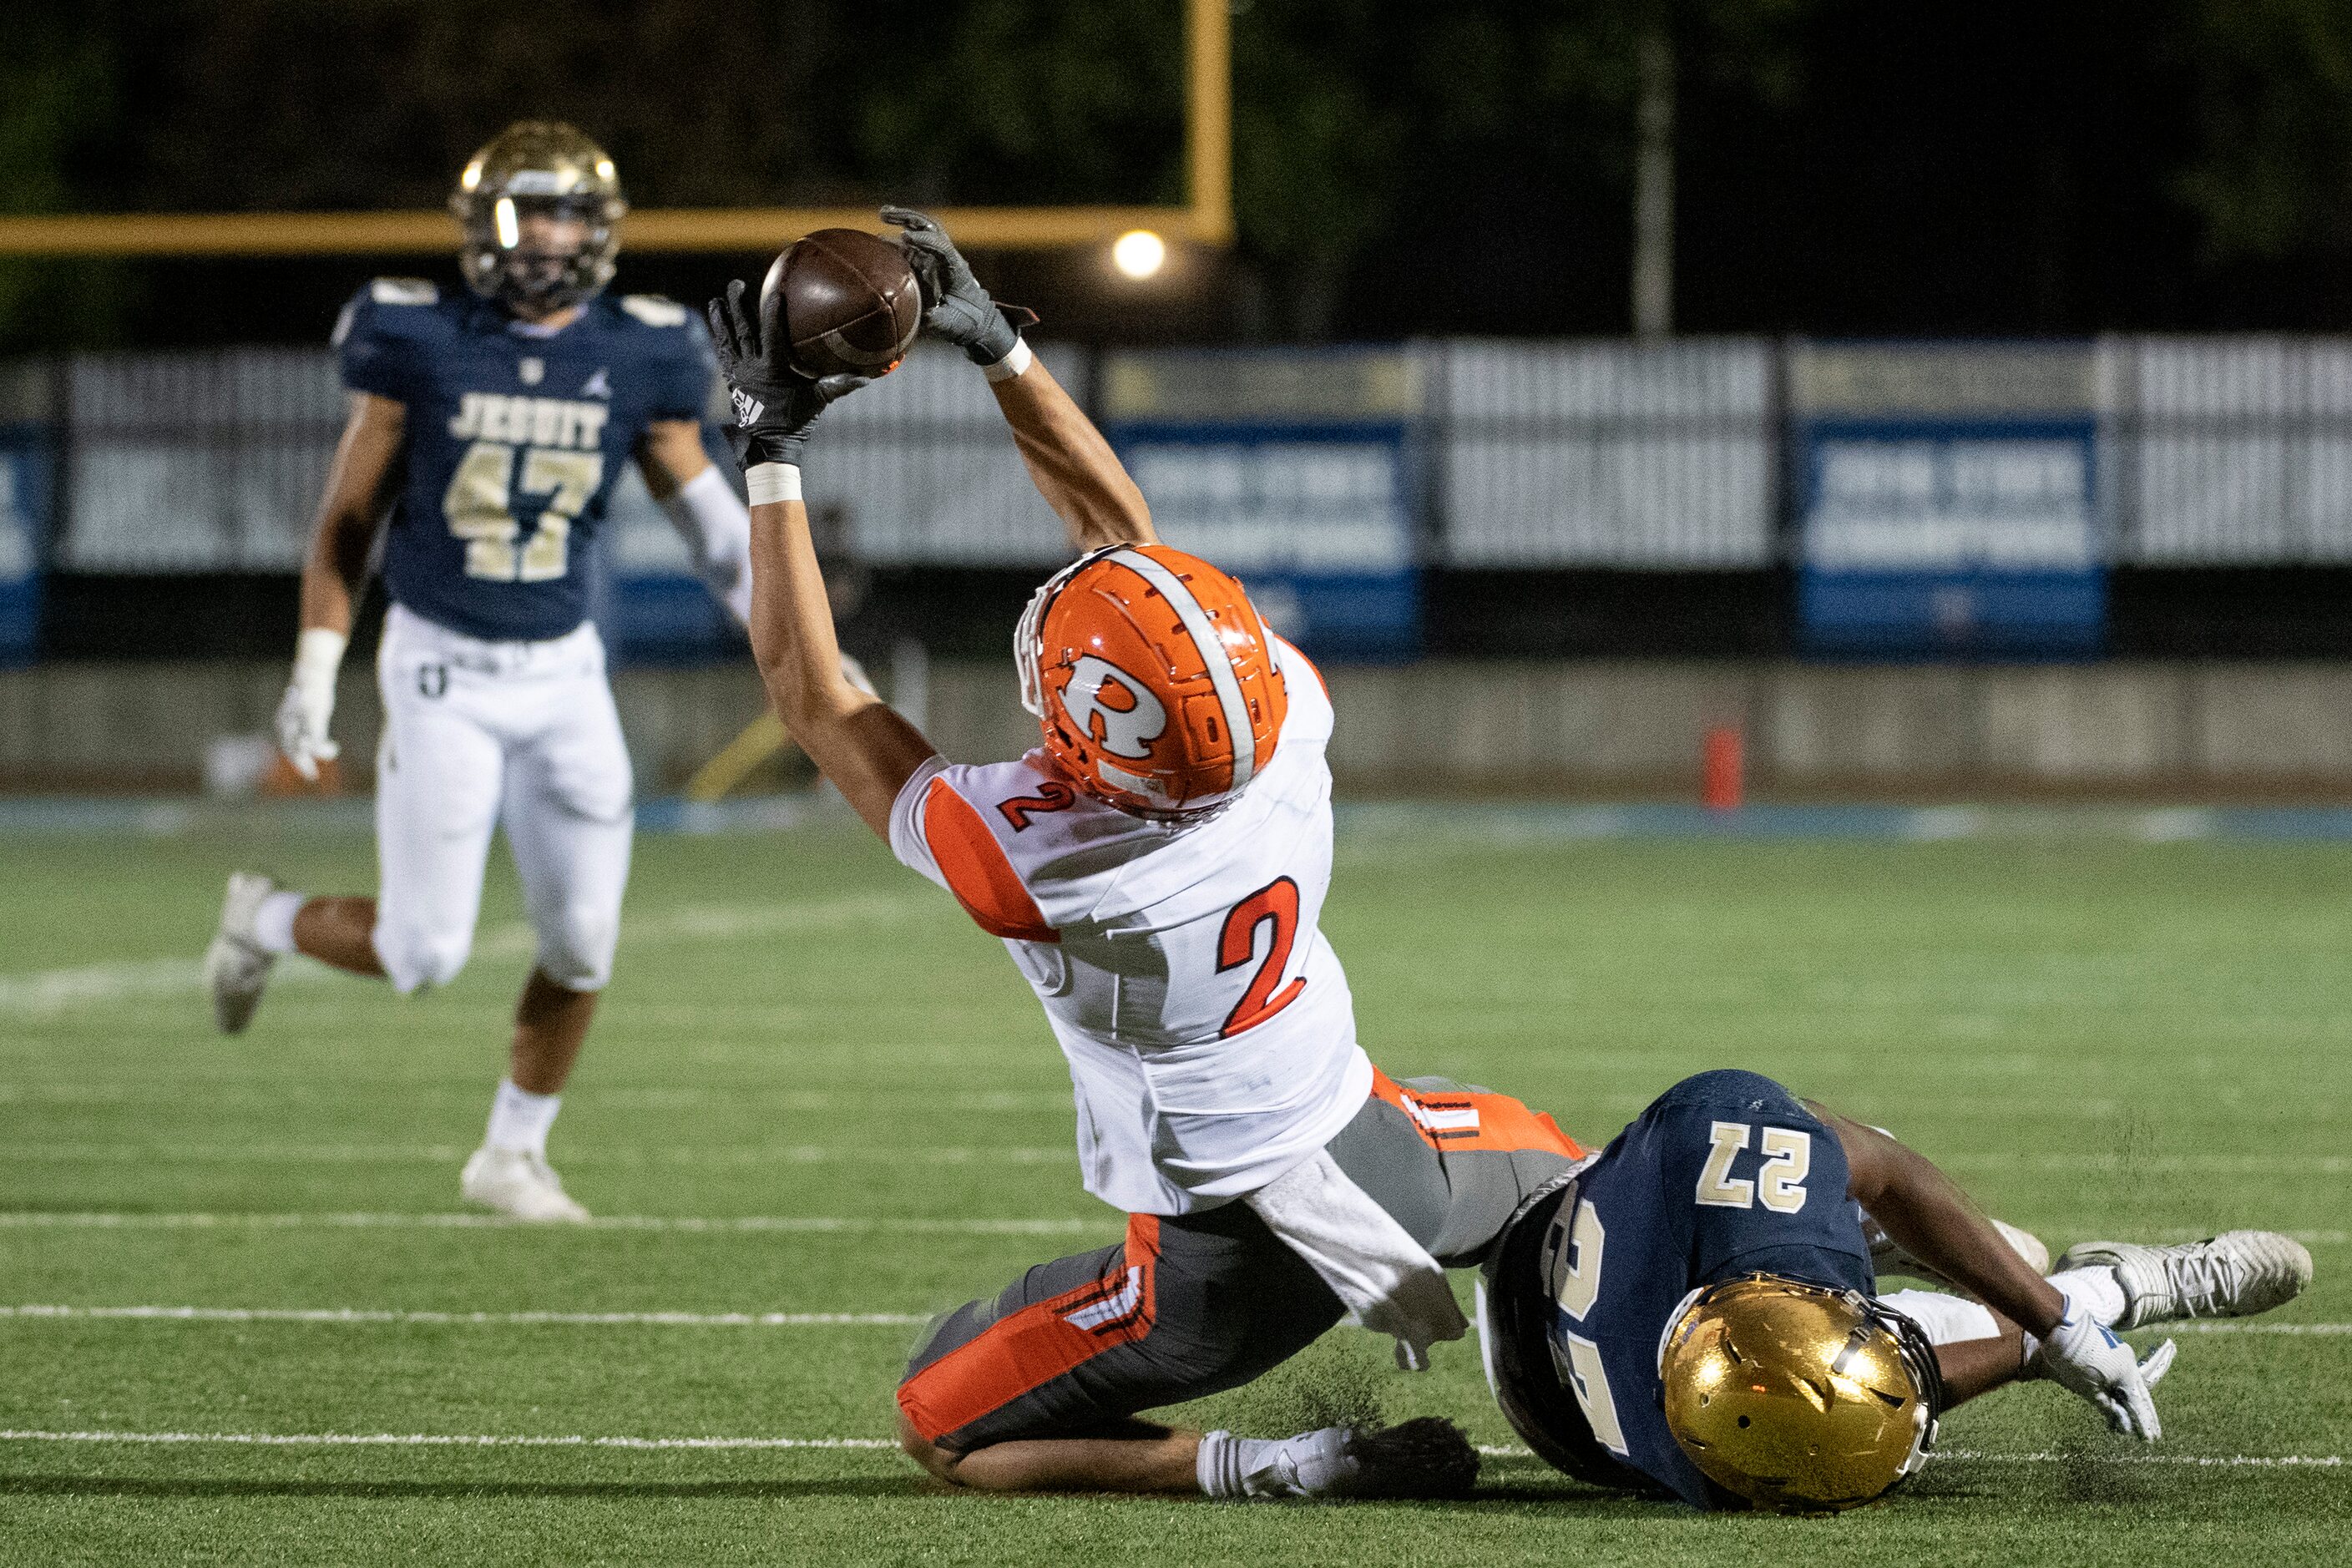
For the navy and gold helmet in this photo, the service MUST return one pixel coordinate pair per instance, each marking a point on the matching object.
(1799, 1398)
(538, 166)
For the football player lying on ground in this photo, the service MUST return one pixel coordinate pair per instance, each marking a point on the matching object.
(1156, 871)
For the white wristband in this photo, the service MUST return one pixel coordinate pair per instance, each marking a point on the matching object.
(771, 482)
(1012, 365)
(317, 653)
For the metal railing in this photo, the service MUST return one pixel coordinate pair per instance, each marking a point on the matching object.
(1538, 455)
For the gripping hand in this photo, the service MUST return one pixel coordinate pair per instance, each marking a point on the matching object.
(2085, 1358)
(774, 404)
(956, 309)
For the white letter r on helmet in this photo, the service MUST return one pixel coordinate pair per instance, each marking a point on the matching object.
(1126, 731)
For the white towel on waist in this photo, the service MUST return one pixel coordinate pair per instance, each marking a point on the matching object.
(1387, 1282)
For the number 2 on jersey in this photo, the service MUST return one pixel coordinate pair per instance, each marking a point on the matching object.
(479, 505)
(1277, 902)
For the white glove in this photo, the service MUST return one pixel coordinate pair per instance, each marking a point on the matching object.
(2085, 1358)
(310, 701)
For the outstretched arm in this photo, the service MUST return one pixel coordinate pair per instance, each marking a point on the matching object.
(1926, 1214)
(1924, 1211)
(1070, 462)
(1073, 466)
(856, 740)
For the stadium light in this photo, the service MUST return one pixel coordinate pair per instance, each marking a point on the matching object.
(1139, 254)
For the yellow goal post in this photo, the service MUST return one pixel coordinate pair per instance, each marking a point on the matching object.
(1206, 218)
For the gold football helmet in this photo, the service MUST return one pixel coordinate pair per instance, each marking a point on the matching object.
(538, 166)
(1799, 1398)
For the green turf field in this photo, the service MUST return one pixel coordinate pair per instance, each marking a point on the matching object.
(2098, 1036)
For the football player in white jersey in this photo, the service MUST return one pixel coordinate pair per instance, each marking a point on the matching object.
(1157, 868)
(496, 422)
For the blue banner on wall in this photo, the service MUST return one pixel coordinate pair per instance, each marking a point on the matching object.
(1948, 502)
(27, 485)
(1297, 472)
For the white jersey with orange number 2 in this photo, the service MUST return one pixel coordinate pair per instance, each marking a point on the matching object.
(1211, 1037)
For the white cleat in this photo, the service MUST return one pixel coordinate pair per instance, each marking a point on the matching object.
(236, 966)
(520, 1184)
(2234, 1275)
(1886, 1257)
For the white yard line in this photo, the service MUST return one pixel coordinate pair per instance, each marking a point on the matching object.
(45, 993)
(2239, 1326)
(437, 1440)
(25, 1219)
(737, 1157)
(368, 1315)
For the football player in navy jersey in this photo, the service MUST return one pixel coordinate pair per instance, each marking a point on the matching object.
(495, 420)
(1695, 1313)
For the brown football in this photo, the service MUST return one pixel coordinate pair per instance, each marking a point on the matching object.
(844, 301)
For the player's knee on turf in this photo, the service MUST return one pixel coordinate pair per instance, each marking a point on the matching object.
(935, 1459)
(576, 948)
(414, 957)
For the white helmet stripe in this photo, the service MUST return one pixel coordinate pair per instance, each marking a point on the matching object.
(1212, 654)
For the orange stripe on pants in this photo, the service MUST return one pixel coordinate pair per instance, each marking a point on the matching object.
(1038, 1343)
(1487, 1123)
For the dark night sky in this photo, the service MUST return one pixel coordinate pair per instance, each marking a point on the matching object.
(1844, 168)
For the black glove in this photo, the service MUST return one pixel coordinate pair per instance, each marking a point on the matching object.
(955, 307)
(774, 404)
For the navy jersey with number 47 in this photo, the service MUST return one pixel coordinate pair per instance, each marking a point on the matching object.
(1725, 1174)
(513, 441)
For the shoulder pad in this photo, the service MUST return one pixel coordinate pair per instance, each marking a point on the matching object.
(653, 310)
(405, 291)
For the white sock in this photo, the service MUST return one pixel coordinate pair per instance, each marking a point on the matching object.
(519, 1119)
(1948, 1320)
(2095, 1289)
(1227, 1462)
(273, 922)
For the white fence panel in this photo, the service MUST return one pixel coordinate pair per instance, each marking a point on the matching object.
(2234, 451)
(197, 462)
(1606, 454)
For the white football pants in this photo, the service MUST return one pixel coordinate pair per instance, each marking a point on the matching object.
(476, 734)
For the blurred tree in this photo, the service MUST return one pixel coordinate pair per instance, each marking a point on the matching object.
(2273, 107)
(56, 95)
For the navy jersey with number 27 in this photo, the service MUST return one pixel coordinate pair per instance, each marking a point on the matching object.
(513, 441)
(1726, 1174)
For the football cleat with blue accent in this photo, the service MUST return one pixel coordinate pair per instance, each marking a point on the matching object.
(2234, 1275)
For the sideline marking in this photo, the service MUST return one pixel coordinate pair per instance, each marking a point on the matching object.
(45, 993)
(35, 1219)
(438, 1440)
(483, 1320)
(450, 1154)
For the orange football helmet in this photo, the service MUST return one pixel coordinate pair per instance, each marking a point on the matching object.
(1153, 677)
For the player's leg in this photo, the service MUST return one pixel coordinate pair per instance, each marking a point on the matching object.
(1036, 1389)
(438, 777)
(568, 819)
